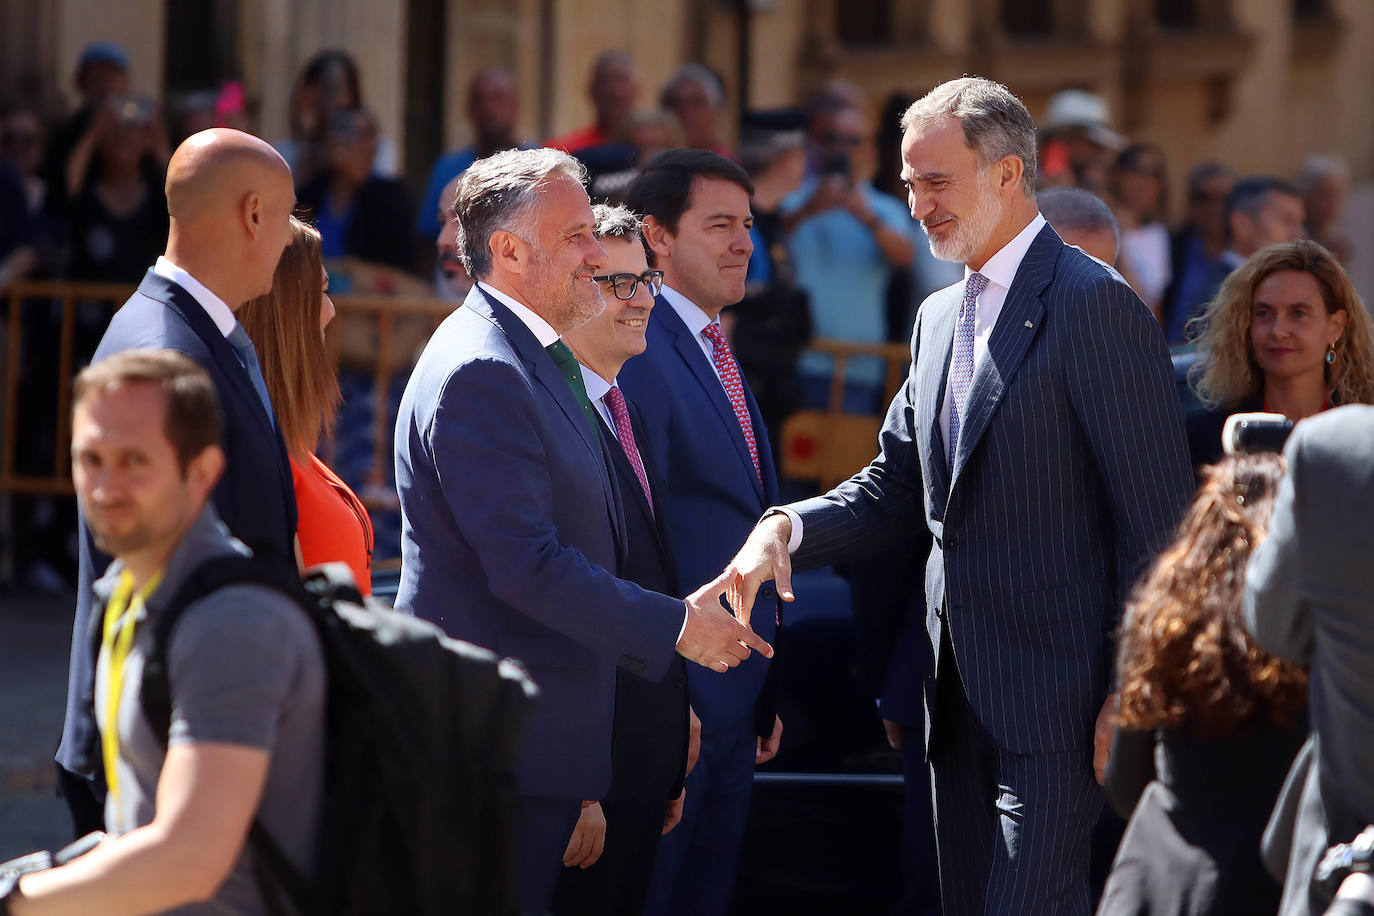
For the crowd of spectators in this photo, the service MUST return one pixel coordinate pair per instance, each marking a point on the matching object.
(836, 255)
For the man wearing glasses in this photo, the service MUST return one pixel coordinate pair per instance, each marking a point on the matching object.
(706, 442)
(649, 739)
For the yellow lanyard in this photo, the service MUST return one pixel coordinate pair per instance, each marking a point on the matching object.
(120, 616)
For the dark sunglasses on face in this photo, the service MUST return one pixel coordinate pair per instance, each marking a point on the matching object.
(625, 285)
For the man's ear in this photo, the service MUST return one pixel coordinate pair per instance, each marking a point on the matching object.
(510, 251)
(658, 239)
(1009, 172)
(205, 469)
(250, 210)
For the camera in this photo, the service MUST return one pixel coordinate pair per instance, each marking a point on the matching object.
(836, 164)
(132, 109)
(1248, 433)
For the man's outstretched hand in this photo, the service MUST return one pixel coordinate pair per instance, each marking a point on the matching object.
(712, 637)
(763, 557)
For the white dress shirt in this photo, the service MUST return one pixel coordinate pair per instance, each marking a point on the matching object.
(541, 329)
(696, 321)
(214, 306)
(597, 387)
(1000, 270)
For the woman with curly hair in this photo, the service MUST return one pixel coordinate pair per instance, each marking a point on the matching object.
(287, 329)
(1208, 722)
(1288, 334)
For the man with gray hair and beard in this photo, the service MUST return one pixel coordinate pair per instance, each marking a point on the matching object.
(1039, 438)
(510, 516)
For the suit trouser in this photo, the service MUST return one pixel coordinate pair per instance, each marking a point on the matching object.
(1012, 830)
(618, 883)
(542, 829)
(695, 871)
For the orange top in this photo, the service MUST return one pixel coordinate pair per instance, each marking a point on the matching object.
(332, 524)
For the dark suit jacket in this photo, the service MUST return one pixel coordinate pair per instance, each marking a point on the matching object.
(255, 498)
(649, 737)
(510, 523)
(1308, 591)
(1070, 474)
(711, 496)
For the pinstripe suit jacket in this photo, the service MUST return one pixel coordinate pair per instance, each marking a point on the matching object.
(1070, 474)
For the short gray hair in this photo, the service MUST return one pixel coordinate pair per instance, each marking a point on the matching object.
(995, 122)
(616, 221)
(693, 73)
(1069, 209)
(500, 192)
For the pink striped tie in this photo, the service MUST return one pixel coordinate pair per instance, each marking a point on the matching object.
(728, 370)
(626, 434)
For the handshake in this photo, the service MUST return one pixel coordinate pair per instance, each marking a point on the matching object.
(715, 638)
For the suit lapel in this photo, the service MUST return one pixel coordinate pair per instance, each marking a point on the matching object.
(937, 339)
(546, 372)
(1017, 325)
(185, 306)
(685, 342)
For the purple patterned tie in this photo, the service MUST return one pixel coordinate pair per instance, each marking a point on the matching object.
(961, 364)
(626, 434)
(728, 370)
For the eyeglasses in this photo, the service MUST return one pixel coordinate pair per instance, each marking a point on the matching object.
(625, 285)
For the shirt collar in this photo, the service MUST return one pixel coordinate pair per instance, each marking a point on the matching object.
(214, 306)
(541, 329)
(690, 313)
(1001, 267)
(596, 385)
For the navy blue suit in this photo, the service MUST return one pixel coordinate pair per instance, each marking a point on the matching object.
(1070, 474)
(255, 497)
(711, 499)
(510, 523)
(649, 741)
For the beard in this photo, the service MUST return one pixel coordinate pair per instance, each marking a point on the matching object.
(572, 300)
(121, 543)
(971, 232)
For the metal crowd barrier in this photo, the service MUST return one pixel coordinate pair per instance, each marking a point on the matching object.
(377, 333)
(830, 445)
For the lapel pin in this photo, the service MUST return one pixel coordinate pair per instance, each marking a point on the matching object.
(1029, 324)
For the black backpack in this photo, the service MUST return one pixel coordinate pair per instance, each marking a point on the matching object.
(420, 741)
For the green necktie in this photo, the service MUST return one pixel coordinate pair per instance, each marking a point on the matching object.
(567, 364)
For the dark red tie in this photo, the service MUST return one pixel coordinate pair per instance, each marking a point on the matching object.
(728, 370)
(625, 432)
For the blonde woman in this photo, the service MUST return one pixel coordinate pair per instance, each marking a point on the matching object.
(287, 328)
(1288, 334)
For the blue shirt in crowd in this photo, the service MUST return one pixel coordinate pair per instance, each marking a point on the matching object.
(836, 259)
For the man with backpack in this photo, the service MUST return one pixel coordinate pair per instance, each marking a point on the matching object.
(243, 747)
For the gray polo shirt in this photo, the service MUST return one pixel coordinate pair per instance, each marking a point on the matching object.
(245, 669)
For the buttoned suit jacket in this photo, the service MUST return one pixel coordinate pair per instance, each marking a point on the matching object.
(1307, 599)
(649, 741)
(255, 498)
(711, 496)
(1070, 473)
(511, 526)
